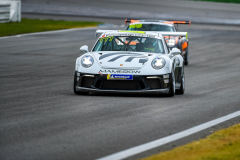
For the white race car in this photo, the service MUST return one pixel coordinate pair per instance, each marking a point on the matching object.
(163, 26)
(130, 62)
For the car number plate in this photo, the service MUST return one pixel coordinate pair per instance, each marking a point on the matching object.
(119, 77)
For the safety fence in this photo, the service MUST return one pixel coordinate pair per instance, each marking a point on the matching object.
(10, 11)
(5, 12)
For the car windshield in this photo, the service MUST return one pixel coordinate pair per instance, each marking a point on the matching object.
(150, 27)
(129, 43)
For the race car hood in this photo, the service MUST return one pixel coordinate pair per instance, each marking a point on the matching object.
(123, 60)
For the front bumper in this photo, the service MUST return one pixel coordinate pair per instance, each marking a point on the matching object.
(139, 84)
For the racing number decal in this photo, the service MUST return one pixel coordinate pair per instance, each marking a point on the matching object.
(106, 39)
(135, 26)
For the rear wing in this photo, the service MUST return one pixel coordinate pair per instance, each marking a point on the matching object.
(161, 21)
(174, 34)
(180, 34)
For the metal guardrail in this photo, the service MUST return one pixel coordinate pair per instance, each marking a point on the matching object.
(5, 13)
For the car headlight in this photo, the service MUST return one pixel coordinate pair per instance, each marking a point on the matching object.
(171, 42)
(87, 61)
(158, 63)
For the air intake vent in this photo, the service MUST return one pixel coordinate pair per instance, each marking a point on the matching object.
(121, 85)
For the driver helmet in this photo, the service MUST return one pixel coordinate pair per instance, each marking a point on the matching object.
(149, 45)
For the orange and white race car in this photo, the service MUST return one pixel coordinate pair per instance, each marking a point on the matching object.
(179, 42)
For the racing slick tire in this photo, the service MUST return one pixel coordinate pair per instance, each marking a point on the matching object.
(182, 87)
(75, 85)
(171, 85)
(186, 58)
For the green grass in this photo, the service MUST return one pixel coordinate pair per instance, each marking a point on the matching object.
(34, 25)
(221, 145)
(222, 1)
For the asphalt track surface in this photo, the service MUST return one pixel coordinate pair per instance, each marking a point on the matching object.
(196, 11)
(41, 117)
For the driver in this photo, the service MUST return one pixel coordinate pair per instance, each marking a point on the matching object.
(149, 47)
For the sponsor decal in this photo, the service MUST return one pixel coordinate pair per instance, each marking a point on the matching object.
(119, 77)
(129, 56)
(108, 71)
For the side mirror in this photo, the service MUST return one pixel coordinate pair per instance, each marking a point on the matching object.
(175, 51)
(84, 49)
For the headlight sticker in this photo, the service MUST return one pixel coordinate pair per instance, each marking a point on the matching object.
(171, 42)
(158, 63)
(87, 61)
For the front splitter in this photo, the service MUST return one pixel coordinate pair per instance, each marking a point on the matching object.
(161, 91)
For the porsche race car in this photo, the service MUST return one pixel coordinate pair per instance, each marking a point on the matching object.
(130, 62)
(163, 26)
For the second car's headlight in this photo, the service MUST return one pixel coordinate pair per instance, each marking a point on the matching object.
(171, 42)
(158, 63)
(87, 61)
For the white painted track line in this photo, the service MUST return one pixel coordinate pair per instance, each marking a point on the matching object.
(48, 32)
(59, 31)
(150, 145)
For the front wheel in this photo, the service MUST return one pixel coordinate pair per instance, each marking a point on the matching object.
(75, 85)
(182, 87)
(186, 58)
(171, 85)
